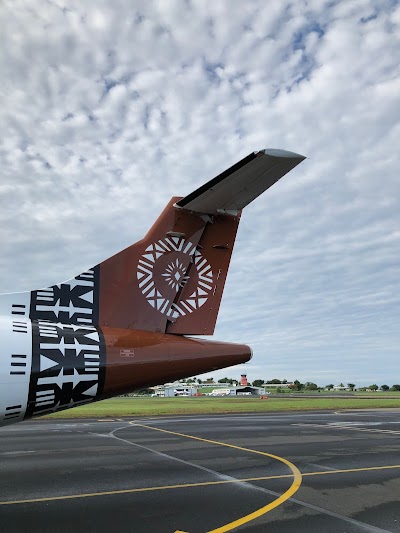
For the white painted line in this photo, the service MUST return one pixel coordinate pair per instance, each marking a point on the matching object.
(350, 428)
(18, 453)
(322, 467)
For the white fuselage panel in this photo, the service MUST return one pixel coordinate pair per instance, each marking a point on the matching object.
(15, 367)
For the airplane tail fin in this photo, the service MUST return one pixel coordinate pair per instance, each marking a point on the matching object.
(172, 280)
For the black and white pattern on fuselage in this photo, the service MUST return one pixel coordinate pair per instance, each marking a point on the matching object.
(73, 302)
(68, 367)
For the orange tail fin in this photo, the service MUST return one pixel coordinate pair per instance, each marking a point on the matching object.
(172, 281)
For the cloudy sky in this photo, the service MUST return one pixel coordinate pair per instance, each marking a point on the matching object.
(110, 108)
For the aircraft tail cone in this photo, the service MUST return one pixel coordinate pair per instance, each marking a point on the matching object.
(159, 358)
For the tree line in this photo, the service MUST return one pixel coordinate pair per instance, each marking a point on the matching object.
(351, 386)
(295, 386)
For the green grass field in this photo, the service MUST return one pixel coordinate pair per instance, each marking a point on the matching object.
(118, 407)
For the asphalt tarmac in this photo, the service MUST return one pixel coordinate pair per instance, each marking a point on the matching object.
(304, 472)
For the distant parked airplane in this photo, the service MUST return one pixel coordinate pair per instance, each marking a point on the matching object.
(120, 326)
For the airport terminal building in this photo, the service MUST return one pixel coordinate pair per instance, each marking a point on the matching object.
(181, 389)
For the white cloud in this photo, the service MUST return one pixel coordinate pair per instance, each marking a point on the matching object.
(100, 101)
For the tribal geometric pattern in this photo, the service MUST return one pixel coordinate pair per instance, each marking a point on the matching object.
(68, 366)
(54, 355)
(175, 275)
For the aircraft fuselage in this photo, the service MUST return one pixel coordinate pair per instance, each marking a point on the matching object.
(47, 367)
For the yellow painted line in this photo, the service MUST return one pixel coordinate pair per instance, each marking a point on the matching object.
(199, 484)
(129, 491)
(349, 470)
(294, 487)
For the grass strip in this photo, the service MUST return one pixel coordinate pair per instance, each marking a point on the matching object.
(117, 407)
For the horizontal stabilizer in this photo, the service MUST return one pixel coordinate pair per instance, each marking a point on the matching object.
(236, 187)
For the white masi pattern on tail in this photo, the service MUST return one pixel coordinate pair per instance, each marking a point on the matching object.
(175, 276)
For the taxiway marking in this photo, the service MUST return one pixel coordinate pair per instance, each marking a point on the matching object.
(199, 484)
(350, 428)
(294, 487)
